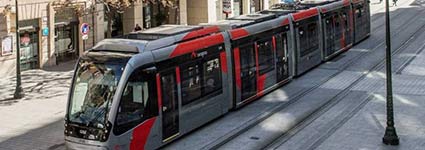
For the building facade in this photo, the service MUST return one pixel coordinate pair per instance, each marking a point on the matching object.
(50, 30)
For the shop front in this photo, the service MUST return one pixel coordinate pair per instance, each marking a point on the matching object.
(66, 35)
(237, 7)
(29, 43)
(256, 5)
(156, 13)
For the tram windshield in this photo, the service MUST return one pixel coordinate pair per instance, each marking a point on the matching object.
(94, 86)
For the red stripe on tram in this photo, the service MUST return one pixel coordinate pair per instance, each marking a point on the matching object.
(346, 2)
(274, 43)
(223, 62)
(261, 84)
(342, 41)
(201, 32)
(141, 134)
(305, 14)
(260, 79)
(197, 44)
(285, 22)
(238, 33)
(237, 67)
(178, 75)
(158, 89)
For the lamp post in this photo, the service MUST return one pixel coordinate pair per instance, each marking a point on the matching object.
(390, 136)
(19, 92)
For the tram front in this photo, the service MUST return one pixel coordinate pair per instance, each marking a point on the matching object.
(113, 99)
(94, 85)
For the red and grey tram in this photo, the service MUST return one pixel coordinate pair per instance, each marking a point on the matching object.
(148, 88)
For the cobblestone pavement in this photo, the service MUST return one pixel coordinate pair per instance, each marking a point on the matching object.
(36, 121)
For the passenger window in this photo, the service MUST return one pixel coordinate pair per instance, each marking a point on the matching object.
(138, 101)
(212, 75)
(200, 78)
(359, 12)
(308, 40)
(303, 41)
(265, 56)
(312, 34)
(346, 21)
(281, 46)
(191, 82)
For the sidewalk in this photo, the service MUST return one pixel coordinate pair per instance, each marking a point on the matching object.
(35, 121)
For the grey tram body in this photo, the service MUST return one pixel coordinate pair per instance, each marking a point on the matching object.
(153, 53)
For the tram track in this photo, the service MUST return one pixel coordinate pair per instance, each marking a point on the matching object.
(240, 130)
(348, 114)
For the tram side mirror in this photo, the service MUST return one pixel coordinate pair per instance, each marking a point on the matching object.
(150, 70)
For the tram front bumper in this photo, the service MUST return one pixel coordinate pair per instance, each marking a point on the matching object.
(80, 144)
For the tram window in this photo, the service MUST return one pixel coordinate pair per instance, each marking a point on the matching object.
(303, 41)
(281, 46)
(337, 24)
(359, 11)
(265, 56)
(200, 78)
(211, 75)
(138, 101)
(309, 40)
(191, 82)
(312, 35)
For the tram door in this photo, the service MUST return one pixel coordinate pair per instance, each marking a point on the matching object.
(330, 34)
(248, 71)
(170, 110)
(337, 32)
(282, 58)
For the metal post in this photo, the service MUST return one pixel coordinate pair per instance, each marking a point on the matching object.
(19, 92)
(390, 136)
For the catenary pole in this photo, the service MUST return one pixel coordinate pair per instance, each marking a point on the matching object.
(390, 136)
(19, 92)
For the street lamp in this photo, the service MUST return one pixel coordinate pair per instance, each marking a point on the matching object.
(390, 136)
(19, 92)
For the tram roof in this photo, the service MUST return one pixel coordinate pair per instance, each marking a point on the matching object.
(314, 3)
(161, 32)
(228, 24)
(334, 5)
(255, 17)
(278, 12)
(120, 45)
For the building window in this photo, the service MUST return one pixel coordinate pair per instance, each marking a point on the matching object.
(66, 41)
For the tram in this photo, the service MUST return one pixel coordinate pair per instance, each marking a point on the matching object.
(148, 88)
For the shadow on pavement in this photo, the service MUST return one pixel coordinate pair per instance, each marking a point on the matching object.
(65, 66)
(39, 84)
(47, 137)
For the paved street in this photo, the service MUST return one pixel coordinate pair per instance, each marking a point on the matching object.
(338, 105)
(36, 121)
